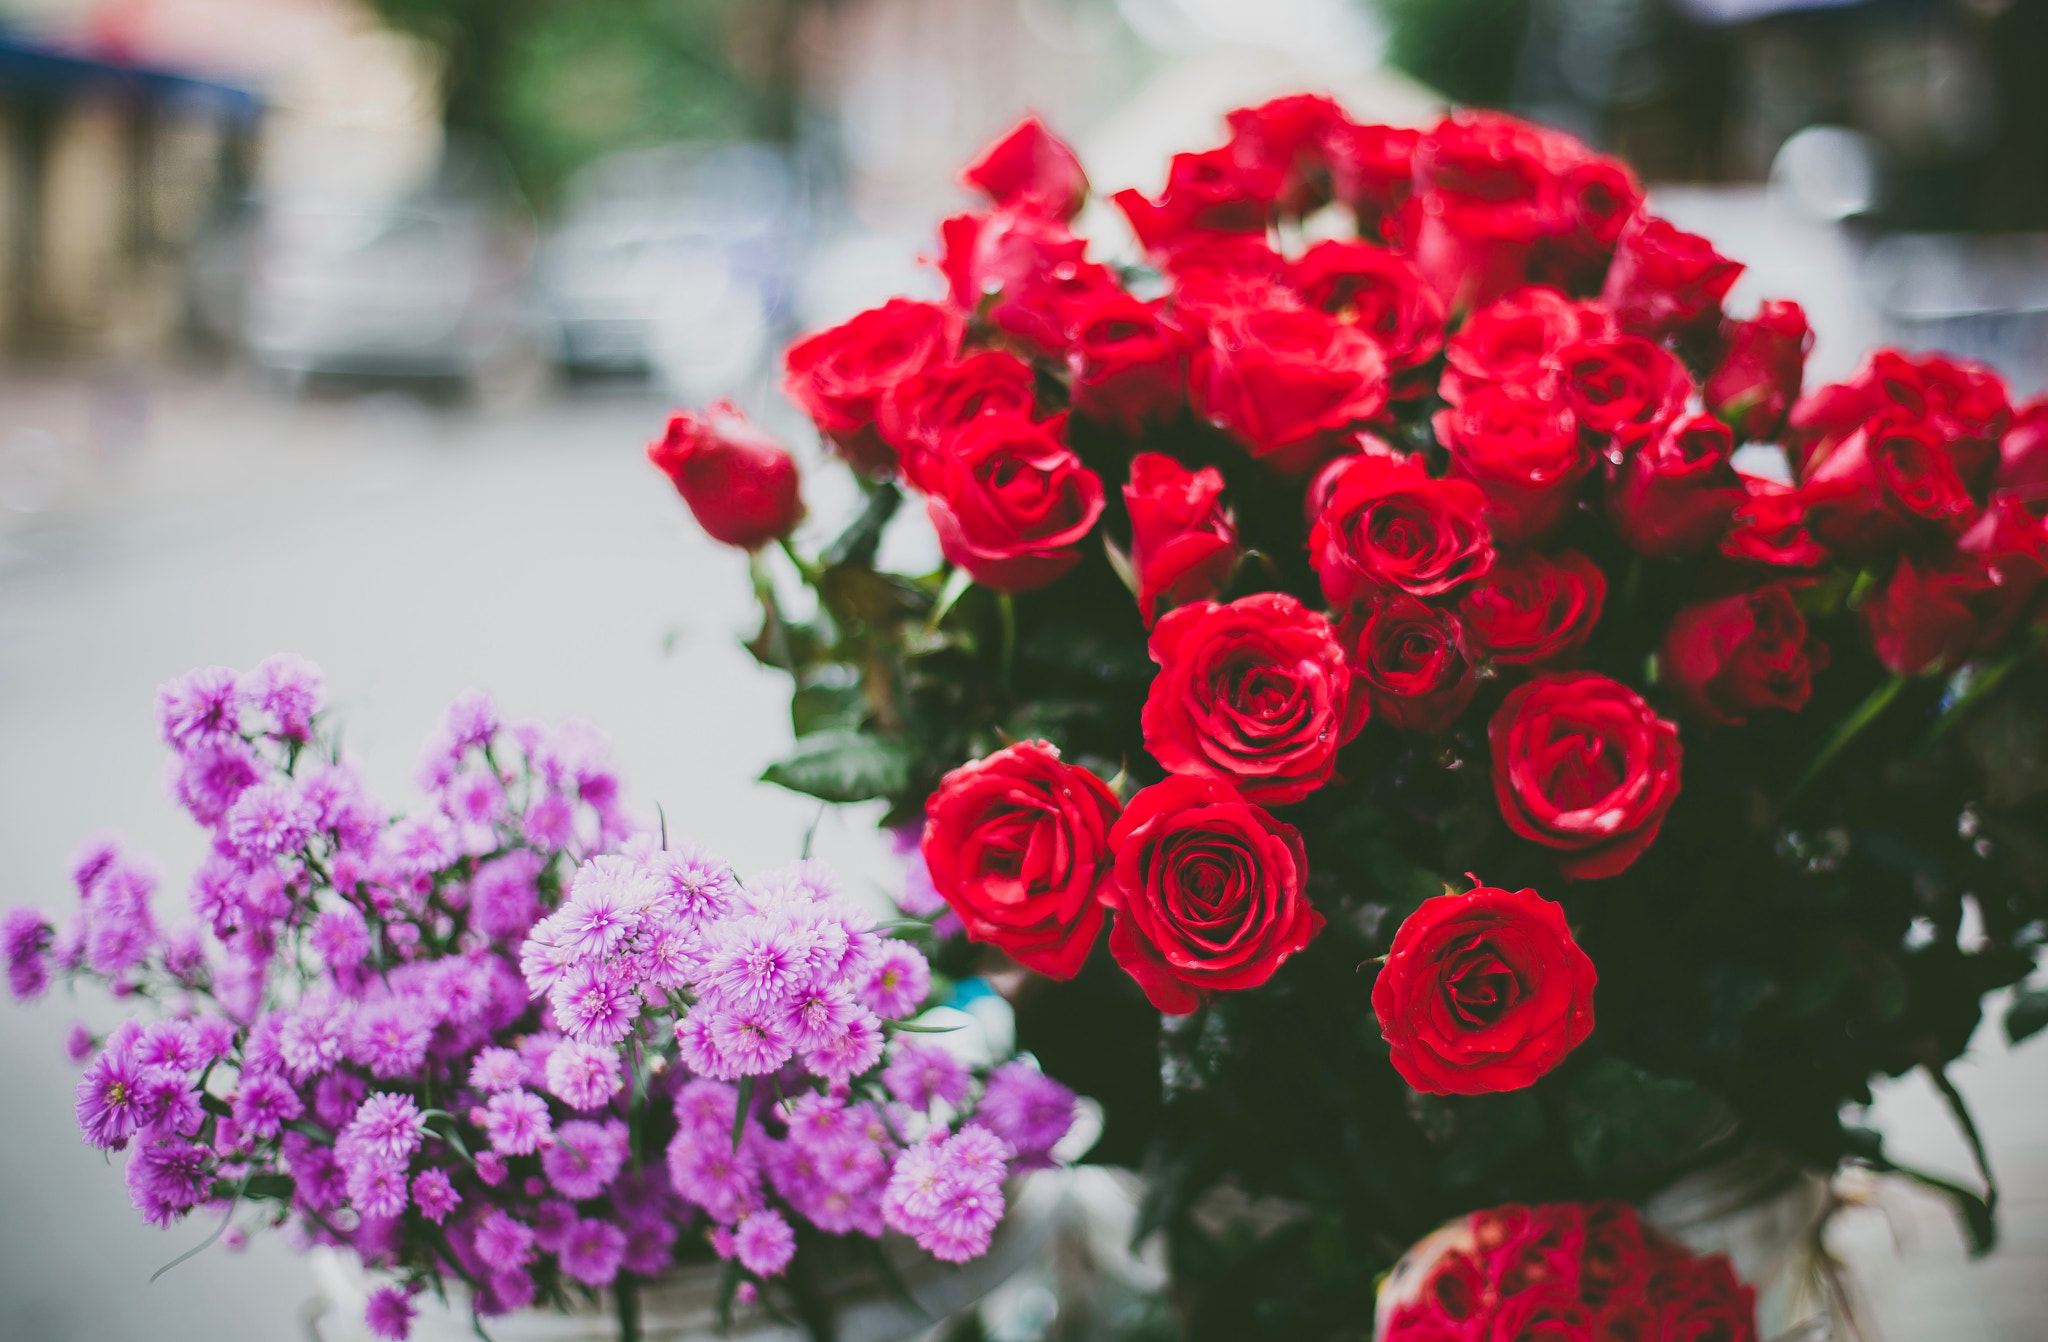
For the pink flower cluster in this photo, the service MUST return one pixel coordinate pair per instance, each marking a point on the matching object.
(450, 1041)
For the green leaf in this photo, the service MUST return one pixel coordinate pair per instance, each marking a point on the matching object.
(742, 1110)
(817, 708)
(1360, 848)
(858, 543)
(843, 766)
(2027, 1014)
(863, 597)
(1487, 1131)
(1864, 714)
(1626, 1123)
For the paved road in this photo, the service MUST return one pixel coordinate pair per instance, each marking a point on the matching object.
(413, 553)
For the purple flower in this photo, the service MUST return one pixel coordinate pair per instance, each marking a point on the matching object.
(422, 845)
(758, 967)
(764, 1243)
(584, 1077)
(207, 779)
(200, 707)
(312, 1040)
(1027, 1109)
(25, 938)
(550, 822)
(650, 1248)
(849, 1055)
(168, 1179)
(897, 980)
(515, 1122)
(389, 1126)
(503, 1241)
(490, 1166)
(78, 1042)
(336, 1098)
(434, 1194)
(94, 856)
(751, 1043)
(270, 820)
(552, 1222)
(819, 1017)
(471, 719)
(390, 1038)
(920, 898)
(505, 1292)
(593, 1252)
(921, 1073)
(503, 897)
(475, 797)
(390, 1313)
(318, 1183)
(604, 908)
(497, 1069)
(704, 1168)
(947, 1193)
(288, 688)
(585, 1158)
(341, 938)
(264, 1103)
(595, 1003)
(693, 884)
(376, 1185)
(121, 930)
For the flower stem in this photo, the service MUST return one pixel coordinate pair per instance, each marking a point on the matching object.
(1865, 714)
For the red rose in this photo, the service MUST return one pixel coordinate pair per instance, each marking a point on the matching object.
(1129, 363)
(1770, 528)
(1962, 404)
(1615, 1262)
(1525, 453)
(1284, 381)
(1031, 273)
(1215, 274)
(840, 375)
(1010, 502)
(1677, 494)
(1487, 195)
(1018, 843)
(1032, 169)
(1325, 479)
(1516, 340)
(1285, 142)
(920, 414)
(1885, 484)
(1482, 992)
(1183, 540)
(1534, 610)
(1412, 659)
(1622, 388)
(1597, 196)
(1701, 1300)
(1762, 362)
(1741, 654)
(1256, 693)
(1205, 193)
(1384, 294)
(1665, 281)
(1933, 615)
(1207, 891)
(2023, 453)
(1581, 764)
(1388, 524)
(1372, 169)
(740, 483)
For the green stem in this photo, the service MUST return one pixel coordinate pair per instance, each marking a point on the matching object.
(1006, 608)
(626, 1293)
(771, 611)
(1865, 714)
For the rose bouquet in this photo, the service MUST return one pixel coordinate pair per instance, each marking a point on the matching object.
(517, 1041)
(1404, 511)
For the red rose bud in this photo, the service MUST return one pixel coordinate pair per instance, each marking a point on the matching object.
(1207, 890)
(1488, 194)
(1255, 693)
(1740, 655)
(1032, 169)
(1018, 844)
(1010, 501)
(1383, 293)
(2023, 454)
(1183, 541)
(1483, 992)
(1411, 658)
(1665, 281)
(1762, 362)
(1205, 193)
(1525, 453)
(1372, 169)
(923, 412)
(1129, 363)
(1623, 389)
(1515, 342)
(1678, 493)
(1388, 524)
(1581, 764)
(840, 375)
(740, 483)
(1286, 142)
(1534, 610)
(1286, 381)
(1888, 483)
(1770, 528)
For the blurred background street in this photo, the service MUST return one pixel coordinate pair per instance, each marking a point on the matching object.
(338, 325)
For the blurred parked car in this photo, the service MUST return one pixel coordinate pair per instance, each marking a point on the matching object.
(431, 285)
(674, 261)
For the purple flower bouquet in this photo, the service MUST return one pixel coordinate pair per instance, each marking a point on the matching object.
(519, 1041)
